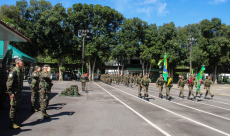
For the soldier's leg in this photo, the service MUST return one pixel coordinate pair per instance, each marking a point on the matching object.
(182, 91)
(189, 93)
(209, 91)
(167, 92)
(139, 90)
(160, 91)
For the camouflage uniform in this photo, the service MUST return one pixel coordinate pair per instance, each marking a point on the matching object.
(190, 87)
(207, 85)
(14, 86)
(139, 86)
(45, 90)
(131, 79)
(160, 82)
(196, 87)
(34, 90)
(181, 84)
(168, 86)
(83, 82)
(145, 83)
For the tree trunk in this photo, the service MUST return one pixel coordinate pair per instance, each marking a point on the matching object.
(146, 69)
(89, 71)
(118, 69)
(149, 70)
(122, 69)
(143, 67)
(215, 81)
(171, 74)
(93, 68)
(60, 61)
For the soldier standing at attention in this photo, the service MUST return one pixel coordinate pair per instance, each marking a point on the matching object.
(83, 82)
(145, 84)
(168, 86)
(207, 85)
(14, 88)
(190, 86)
(34, 88)
(181, 84)
(45, 90)
(139, 85)
(160, 82)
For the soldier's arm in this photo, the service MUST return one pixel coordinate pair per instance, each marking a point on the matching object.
(10, 82)
(157, 82)
(179, 82)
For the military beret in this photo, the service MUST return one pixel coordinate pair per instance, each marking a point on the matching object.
(36, 67)
(18, 60)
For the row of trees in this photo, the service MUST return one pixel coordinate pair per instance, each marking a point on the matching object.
(54, 30)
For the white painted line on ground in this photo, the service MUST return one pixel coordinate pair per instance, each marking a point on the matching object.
(224, 133)
(153, 125)
(187, 106)
(198, 102)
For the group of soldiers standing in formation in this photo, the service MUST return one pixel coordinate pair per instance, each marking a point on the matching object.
(129, 80)
(41, 82)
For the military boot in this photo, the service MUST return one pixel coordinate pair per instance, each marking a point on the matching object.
(13, 125)
(144, 96)
(212, 96)
(45, 115)
(33, 109)
(20, 125)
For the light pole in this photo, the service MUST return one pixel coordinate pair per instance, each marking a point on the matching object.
(83, 33)
(191, 41)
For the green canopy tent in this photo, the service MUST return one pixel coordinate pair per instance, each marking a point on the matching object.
(16, 54)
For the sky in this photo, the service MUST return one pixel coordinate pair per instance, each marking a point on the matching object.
(181, 12)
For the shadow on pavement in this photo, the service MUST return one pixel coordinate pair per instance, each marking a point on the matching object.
(39, 121)
(62, 114)
(24, 112)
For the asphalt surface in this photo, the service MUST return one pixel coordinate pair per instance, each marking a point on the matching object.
(117, 111)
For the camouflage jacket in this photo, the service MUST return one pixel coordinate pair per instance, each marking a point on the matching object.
(83, 78)
(181, 83)
(138, 80)
(145, 82)
(131, 79)
(192, 83)
(15, 81)
(208, 83)
(35, 79)
(169, 84)
(160, 81)
(45, 81)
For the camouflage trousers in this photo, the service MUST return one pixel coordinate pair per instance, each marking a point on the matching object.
(44, 99)
(83, 85)
(160, 89)
(190, 91)
(131, 83)
(14, 105)
(139, 89)
(34, 97)
(181, 91)
(146, 90)
(168, 91)
(208, 91)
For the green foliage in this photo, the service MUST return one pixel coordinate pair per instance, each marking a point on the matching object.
(62, 69)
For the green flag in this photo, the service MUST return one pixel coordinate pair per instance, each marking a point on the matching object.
(165, 72)
(199, 78)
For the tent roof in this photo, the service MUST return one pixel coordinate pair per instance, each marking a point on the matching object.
(9, 33)
(16, 53)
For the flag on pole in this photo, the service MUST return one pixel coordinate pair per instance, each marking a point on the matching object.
(199, 78)
(165, 72)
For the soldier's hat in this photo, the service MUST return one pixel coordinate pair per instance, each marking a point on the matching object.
(161, 75)
(36, 67)
(18, 60)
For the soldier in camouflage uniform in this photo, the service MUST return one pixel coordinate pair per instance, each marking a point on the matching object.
(45, 86)
(207, 85)
(196, 87)
(14, 88)
(168, 86)
(34, 88)
(83, 82)
(139, 85)
(181, 83)
(190, 86)
(145, 84)
(160, 82)
(131, 79)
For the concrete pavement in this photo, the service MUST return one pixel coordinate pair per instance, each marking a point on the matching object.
(116, 110)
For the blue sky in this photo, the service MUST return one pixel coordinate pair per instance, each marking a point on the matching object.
(181, 12)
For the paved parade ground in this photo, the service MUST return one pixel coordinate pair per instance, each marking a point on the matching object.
(117, 111)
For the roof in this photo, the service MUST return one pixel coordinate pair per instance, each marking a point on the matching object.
(15, 31)
(16, 53)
